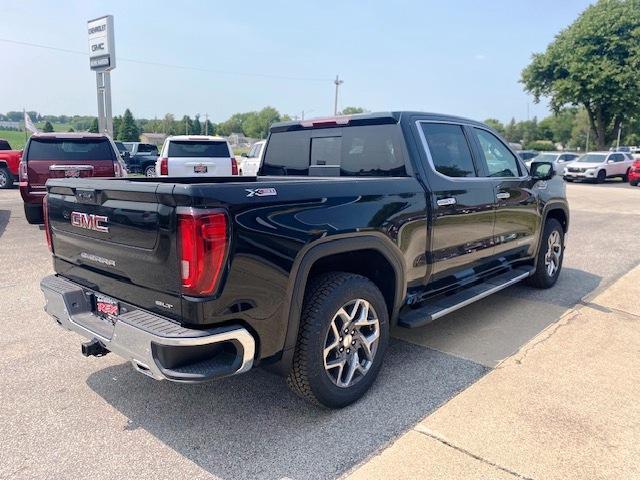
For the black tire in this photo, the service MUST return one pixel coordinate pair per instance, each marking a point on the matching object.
(6, 179)
(325, 296)
(34, 214)
(625, 177)
(150, 171)
(601, 177)
(567, 179)
(633, 183)
(541, 278)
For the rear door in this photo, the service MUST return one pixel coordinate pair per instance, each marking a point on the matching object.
(517, 217)
(68, 157)
(462, 201)
(189, 158)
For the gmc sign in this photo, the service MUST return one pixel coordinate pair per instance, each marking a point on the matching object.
(89, 221)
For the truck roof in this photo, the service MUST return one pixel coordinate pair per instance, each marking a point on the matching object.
(373, 118)
(70, 135)
(198, 138)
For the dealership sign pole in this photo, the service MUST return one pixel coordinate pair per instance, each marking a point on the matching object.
(102, 59)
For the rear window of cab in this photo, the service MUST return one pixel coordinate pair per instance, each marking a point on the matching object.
(357, 151)
(69, 149)
(198, 149)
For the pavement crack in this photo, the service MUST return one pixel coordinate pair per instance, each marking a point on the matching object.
(428, 433)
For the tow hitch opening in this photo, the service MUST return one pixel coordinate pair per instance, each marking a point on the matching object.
(94, 348)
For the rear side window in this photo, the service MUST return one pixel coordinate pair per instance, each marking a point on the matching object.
(190, 148)
(449, 149)
(146, 148)
(368, 150)
(81, 149)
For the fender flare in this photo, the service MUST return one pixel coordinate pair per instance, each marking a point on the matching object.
(552, 205)
(325, 247)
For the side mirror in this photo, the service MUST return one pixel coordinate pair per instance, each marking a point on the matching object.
(610, 161)
(126, 155)
(542, 171)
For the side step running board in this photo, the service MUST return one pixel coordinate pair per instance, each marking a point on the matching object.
(441, 306)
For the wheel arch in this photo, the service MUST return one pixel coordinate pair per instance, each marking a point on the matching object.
(348, 252)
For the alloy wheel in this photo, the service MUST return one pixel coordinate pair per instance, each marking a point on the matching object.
(351, 343)
(554, 250)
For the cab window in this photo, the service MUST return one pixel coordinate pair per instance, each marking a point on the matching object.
(498, 158)
(450, 152)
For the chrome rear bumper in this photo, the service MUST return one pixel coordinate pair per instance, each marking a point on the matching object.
(155, 345)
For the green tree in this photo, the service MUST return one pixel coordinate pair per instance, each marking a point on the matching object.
(186, 125)
(47, 127)
(71, 129)
(128, 130)
(209, 128)
(595, 63)
(495, 124)
(352, 110)
(196, 127)
(94, 128)
(256, 124)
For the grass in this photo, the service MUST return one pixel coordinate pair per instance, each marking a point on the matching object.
(15, 139)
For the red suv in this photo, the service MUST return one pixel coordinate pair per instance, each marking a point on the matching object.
(59, 155)
(634, 172)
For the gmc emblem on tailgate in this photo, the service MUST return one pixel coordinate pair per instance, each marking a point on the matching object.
(89, 221)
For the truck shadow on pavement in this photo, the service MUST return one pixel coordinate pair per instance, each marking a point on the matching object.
(252, 426)
(4, 220)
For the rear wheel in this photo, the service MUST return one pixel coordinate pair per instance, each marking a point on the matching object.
(633, 183)
(550, 256)
(34, 214)
(601, 177)
(567, 179)
(150, 171)
(344, 332)
(6, 179)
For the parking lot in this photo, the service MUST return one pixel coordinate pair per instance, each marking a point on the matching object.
(66, 416)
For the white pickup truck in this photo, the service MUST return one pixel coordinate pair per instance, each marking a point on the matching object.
(195, 156)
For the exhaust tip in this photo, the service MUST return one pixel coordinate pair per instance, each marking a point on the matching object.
(93, 348)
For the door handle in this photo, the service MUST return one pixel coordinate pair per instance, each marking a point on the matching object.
(443, 202)
(503, 195)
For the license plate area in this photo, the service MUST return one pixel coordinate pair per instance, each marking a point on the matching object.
(107, 308)
(200, 168)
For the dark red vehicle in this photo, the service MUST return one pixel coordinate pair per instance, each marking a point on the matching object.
(9, 164)
(64, 155)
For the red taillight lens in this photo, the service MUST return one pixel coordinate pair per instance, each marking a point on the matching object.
(22, 173)
(203, 247)
(234, 166)
(47, 227)
(164, 166)
(117, 169)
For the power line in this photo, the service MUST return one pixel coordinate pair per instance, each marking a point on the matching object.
(170, 65)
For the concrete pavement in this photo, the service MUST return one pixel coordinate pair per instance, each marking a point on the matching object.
(564, 407)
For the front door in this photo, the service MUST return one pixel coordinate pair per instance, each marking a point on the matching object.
(462, 201)
(518, 218)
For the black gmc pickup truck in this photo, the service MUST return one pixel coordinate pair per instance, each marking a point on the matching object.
(353, 224)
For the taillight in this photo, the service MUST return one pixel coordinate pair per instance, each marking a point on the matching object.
(22, 173)
(117, 169)
(47, 227)
(234, 166)
(164, 166)
(203, 242)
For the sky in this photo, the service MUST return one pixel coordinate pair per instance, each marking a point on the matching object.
(459, 57)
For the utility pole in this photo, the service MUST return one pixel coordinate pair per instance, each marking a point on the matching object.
(337, 82)
(206, 124)
(618, 141)
(586, 148)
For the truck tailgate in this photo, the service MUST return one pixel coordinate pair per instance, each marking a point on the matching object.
(114, 239)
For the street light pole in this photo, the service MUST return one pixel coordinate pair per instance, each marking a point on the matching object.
(337, 82)
(618, 141)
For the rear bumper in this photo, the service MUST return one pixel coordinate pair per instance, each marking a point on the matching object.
(32, 196)
(153, 344)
